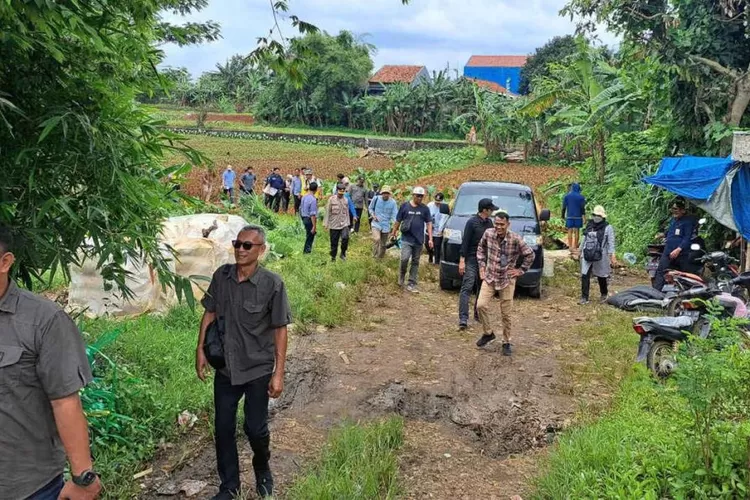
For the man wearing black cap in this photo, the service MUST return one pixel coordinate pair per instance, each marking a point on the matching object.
(677, 242)
(467, 265)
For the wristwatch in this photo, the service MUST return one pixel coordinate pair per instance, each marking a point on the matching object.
(85, 479)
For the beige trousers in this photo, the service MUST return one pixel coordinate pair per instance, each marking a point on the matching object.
(379, 241)
(506, 306)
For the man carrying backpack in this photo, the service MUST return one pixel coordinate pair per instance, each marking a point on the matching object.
(597, 254)
(411, 219)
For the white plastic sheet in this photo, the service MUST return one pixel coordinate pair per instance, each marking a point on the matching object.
(196, 256)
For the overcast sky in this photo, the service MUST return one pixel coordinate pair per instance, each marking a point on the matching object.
(434, 33)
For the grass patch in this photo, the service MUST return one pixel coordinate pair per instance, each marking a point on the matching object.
(687, 437)
(359, 461)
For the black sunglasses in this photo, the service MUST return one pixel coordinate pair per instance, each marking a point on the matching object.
(419, 195)
(247, 245)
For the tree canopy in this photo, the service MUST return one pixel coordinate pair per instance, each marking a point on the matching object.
(557, 49)
(704, 43)
(331, 66)
(82, 164)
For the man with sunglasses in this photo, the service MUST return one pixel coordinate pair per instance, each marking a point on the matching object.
(339, 213)
(415, 221)
(43, 366)
(252, 305)
(677, 242)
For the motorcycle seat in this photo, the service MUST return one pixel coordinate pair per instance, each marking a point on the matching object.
(686, 275)
(677, 322)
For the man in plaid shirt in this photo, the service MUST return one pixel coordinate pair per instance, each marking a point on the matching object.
(497, 256)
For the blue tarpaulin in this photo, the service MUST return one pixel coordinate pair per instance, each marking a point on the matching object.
(720, 186)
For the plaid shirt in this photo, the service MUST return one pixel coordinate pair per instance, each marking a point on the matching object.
(498, 257)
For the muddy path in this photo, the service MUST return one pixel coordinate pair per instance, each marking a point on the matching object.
(476, 421)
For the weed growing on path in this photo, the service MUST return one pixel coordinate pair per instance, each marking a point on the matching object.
(359, 461)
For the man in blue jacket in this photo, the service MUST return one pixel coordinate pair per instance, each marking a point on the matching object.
(276, 181)
(677, 242)
(574, 213)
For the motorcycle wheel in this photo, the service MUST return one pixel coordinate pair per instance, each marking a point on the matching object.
(661, 359)
(675, 308)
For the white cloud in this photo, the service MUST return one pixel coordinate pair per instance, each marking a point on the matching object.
(429, 32)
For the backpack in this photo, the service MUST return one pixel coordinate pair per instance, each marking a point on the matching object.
(592, 246)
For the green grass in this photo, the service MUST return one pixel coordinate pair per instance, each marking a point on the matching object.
(643, 443)
(359, 461)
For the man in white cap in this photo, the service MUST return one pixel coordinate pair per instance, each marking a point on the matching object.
(383, 210)
(228, 182)
(412, 218)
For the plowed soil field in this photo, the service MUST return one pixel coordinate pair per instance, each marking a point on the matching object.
(263, 156)
(534, 176)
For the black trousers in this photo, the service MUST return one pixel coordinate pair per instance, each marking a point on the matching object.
(470, 284)
(433, 256)
(277, 201)
(586, 285)
(226, 400)
(336, 235)
(267, 200)
(297, 203)
(310, 238)
(285, 198)
(665, 263)
(359, 219)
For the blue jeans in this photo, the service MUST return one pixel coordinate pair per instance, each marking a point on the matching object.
(50, 491)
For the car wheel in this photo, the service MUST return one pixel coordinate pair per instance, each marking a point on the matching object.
(445, 283)
(536, 291)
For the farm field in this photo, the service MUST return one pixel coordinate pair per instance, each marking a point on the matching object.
(263, 156)
(244, 121)
(534, 176)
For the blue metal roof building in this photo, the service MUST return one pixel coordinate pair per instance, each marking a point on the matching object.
(503, 70)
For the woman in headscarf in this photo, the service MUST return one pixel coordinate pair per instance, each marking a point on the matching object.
(574, 212)
(597, 254)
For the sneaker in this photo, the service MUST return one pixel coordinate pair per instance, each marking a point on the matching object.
(603, 299)
(412, 289)
(264, 484)
(485, 339)
(583, 302)
(343, 258)
(506, 349)
(401, 282)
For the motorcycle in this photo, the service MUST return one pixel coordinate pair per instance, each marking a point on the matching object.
(659, 336)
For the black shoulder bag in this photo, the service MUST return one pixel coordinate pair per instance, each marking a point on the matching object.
(213, 344)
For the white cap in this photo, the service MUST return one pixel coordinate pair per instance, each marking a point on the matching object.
(418, 190)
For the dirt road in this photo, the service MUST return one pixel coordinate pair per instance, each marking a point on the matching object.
(476, 422)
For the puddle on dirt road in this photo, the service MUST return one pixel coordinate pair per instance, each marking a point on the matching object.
(500, 430)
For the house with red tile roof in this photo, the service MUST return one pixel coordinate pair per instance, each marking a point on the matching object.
(502, 70)
(493, 87)
(390, 74)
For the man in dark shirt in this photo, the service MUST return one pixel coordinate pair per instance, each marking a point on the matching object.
(412, 218)
(247, 181)
(276, 181)
(467, 264)
(677, 243)
(357, 193)
(251, 303)
(43, 366)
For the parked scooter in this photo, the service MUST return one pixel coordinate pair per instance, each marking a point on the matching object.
(659, 336)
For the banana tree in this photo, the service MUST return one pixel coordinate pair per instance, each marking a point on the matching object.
(584, 99)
